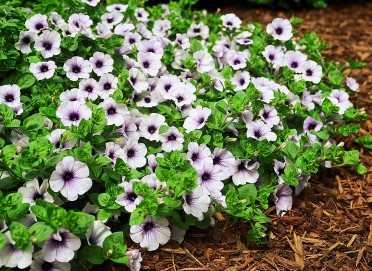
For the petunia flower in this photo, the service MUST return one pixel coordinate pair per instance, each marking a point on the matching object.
(352, 84)
(123, 28)
(129, 200)
(141, 15)
(204, 61)
(70, 178)
(117, 7)
(114, 151)
(312, 124)
(33, 191)
(294, 60)
(283, 199)
(224, 160)
(149, 63)
(311, 71)
(56, 137)
(151, 233)
(231, 21)
(112, 18)
(241, 79)
(259, 130)
(12, 257)
(161, 28)
(273, 55)
(245, 172)
(97, 233)
(48, 43)
(340, 98)
(237, 60)
(91, 3)
(280, 29)
(80, 20)
(172, 140)
(183, 94)
(10, 95)
(198, 155)
(152, 181)
(25, 39)
(72, 95)
(76, 68)
(149, 126)
(135, 259)
(89, 87)
(60, 246)
(43, 70)
(56, 19)
(102, 63)
(196, 203)
(269, 115)
(37, 23)
(114, 112)
(199, 29)
(210, 179)
(197, 118)
(134, 154)
(39, 264)
(71, 113)
(138, 80)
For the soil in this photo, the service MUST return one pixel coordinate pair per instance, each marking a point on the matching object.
(330, 225)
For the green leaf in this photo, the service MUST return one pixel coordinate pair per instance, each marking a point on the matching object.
(83, 129)
(366, 141)
(3, 240)
(248, 191)
(41, 231)
(9, 151)
(78, 223)
(116, 238)
(335, 77)
(265, 148)
(21, 236)
(102, 161)
(104, 199)
(6, 114)
(104, 214)
(290, 174)
(291, 149)
(239, 101)
(361, 169)
(351, 158)
(93, 254)
(33, 123)
(196, 45)
(40, 212)
(25, 80)
(136, 217)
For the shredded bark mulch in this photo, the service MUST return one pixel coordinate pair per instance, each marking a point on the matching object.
(330, 225)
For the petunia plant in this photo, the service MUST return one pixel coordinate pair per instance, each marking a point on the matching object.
(126, 123)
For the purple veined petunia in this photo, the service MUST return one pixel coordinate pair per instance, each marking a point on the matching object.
(177, 234)
(151, 99)
(279, 170)
(183, 94)
(60, 143)
(245, 172)
(231, 21)
(80, 20)
(352, 84)
(103, 31)
(151, 233)
(312, 124)
(102, 63)
(294, 60)
(48, 43)
(283, 199)
(141, 15)
(131, 39)
(39, 264)
(309, 100)
(12, 257)
(76, 68)
(43, 70)
(135, 259)
(24, 42)
(114, 112)
(138, 80)
(196, 203)
(97, 233)
(339, 98)
(129, 129)
(243, 38)
(280, 29)
(237, 60)
(269, 115)
(123, 28)
(70, 178)
(224, 160)
(37, 23)
(114, 151)
(303, 181)
(311, 71)
(150, 63)
(172, 140)
(56, 19)
(33, 191)
(72, 95)
(69, 30)
(149, 126)
(241, 79)
(112, 18)
(10, 95)
(183, 41)
(198, 154)
(199, 29)
(259, 130)
(117, 7)
(129, 200)
(273, 55)
(197, 118)
(91, 3)
(151, 159)
(108, 84)
(60, 246)
(204, 61)
(134, 154)
(153, 182)
(161, 28)
(150, 46)
(71, 113)
(165, 83)
(210, 179)
(89, 87)
(144, 31)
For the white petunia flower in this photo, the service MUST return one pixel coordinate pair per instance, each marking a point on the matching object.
(197, 118)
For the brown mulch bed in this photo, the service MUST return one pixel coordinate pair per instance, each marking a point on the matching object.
(330, 226)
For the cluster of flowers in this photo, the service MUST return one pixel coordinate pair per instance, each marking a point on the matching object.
(198, 82)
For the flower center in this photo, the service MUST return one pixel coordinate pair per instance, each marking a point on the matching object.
(265, 114)
(130, 153)
(205, 176)
(146, 64)
(311, 126)
(147, 100)
(180, 98)
(76, 69)
(131, 40)
(216, 160)
(271, 57)
(151, 50)
(242, 82)
(201, 120)
(111, 154)
(257, 133)
(241, 166)
(294, 65)
(46, 266)
(99, 64)
(309, 72)
(39, 26)
(26, 40)
(167, 87)
(47, 45)
(74, 116)
(149, 226)
(110, 20)
(197, 30)
(37, 195)
(44, 68)
(172, 137)
(107, 86)
(236, 61)
(131, 196)
(111, 111)
(195, 156)
(151, 129)
(279, 30)
(9, 98)
(68, 176)
(188, 199)
(88, 89)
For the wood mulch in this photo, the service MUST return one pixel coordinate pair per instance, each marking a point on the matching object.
(330, 226)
